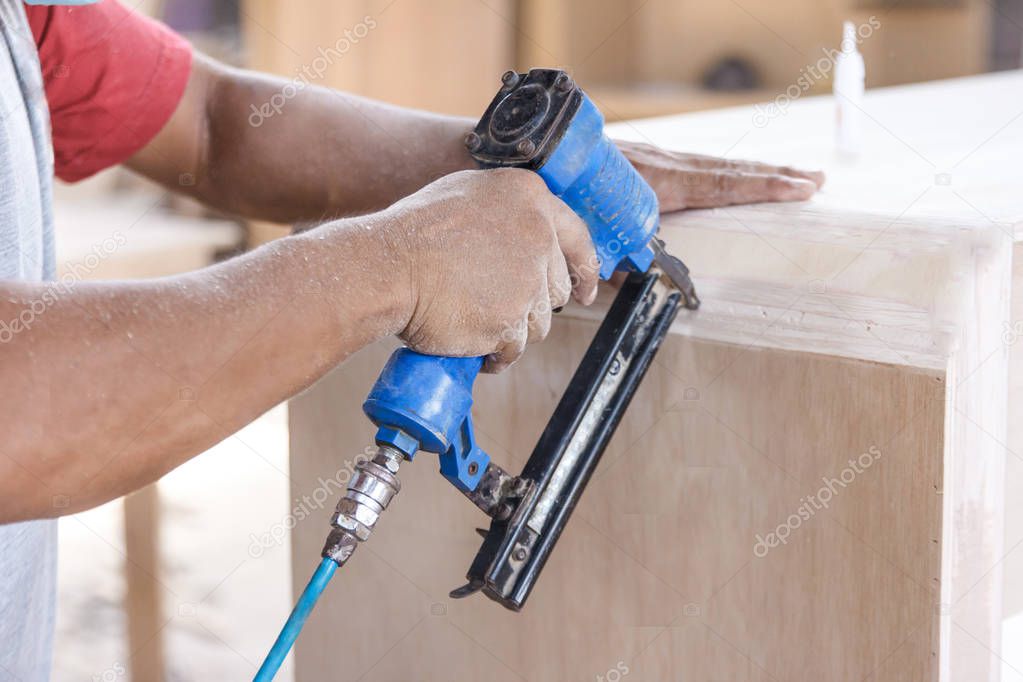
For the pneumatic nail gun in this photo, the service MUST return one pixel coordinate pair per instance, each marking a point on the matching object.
(543, 122)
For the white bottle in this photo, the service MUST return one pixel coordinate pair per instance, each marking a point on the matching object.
(848, 90)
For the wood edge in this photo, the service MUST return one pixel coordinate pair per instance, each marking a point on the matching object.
(915, 320)
(972, 535)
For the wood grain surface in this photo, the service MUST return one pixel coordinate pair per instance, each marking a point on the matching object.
(659, 568)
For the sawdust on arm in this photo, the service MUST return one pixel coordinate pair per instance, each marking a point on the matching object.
(325, 154)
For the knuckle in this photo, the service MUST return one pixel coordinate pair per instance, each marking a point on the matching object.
(577, 278)
(537, 316)
(542, 330)
(723, 182)
(464, 174)
(516, 179)
(501, 174)
(561, 293)
(511, 351)
(690, 179)
(776, 184)
(584, 274)
(463, 177)
(511, 333)
(538, 228)
(529, 180)
(561, 287)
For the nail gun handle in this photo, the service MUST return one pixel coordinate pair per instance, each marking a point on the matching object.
(423, 402)
(544, 122)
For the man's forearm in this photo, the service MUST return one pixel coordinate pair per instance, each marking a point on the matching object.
(110, 385)
(258, 146)
(314, 155)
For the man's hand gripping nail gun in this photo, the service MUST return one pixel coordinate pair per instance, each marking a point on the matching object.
(543, 123)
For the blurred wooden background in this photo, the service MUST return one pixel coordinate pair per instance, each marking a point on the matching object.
(635, 57)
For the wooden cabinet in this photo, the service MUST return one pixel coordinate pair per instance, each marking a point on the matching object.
(810, 483)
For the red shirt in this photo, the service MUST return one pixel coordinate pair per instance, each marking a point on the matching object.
(113, 78)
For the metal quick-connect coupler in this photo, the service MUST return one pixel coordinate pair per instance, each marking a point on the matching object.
(373, 485)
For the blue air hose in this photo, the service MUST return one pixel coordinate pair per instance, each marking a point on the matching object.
(304, 606)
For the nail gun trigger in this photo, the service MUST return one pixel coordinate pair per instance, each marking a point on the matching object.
(677, 272)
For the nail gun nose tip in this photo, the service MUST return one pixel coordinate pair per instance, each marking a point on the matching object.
(469, 588)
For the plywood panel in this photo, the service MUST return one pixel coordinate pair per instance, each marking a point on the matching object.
(657, 571)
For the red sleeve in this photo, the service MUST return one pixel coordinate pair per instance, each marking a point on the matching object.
(113, 78)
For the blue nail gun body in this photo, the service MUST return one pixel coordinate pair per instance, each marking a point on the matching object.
(543, 122)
